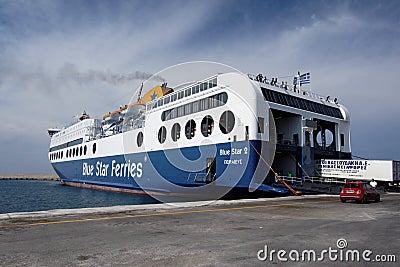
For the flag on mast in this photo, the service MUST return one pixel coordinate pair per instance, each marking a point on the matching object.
(305, 78)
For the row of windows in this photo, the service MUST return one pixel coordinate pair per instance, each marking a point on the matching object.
(195, 106)
(77, 151)
(68, 144)
(184, 93)
(300, 103)
(57, 155)
(226, 125)
(72, 152)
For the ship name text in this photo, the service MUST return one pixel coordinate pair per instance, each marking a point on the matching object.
(115, 169)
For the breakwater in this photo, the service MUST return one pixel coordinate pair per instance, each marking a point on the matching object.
(39, 177)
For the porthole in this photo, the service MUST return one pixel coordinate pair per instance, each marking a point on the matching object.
(62, 154)
(162, 134)
(73, 152)
(77, 151)
(227, 122)
(176, 132)
(80, 151)
(207, 126)
(85, 150)
(94, 148)
(139, 139)
(190, 129)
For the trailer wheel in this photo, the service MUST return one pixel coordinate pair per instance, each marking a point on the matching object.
(343, 200)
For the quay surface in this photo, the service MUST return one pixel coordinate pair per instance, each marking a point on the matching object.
(220, 233)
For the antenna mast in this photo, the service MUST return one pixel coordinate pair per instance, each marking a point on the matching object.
(140, 92)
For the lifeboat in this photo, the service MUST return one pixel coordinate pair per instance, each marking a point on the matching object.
(134, 110)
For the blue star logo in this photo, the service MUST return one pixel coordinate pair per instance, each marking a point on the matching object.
(154, 95)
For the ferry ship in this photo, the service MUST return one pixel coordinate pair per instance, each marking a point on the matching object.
(225, 132)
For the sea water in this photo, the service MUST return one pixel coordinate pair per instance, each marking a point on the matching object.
(33, 195)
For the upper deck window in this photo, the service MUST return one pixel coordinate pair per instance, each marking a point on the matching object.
(67, 144)
(195, 106)
(300, 103)
(183, 93)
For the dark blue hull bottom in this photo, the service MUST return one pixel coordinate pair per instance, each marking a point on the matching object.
(208, 171)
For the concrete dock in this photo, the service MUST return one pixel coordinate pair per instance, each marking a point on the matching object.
(218, 233)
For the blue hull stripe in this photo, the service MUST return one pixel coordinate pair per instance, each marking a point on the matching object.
(235, 166)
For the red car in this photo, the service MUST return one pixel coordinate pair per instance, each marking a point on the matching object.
(360, 192)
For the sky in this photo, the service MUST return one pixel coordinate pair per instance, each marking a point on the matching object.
(57, 57)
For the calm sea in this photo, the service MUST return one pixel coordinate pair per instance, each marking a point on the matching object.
(32, 195)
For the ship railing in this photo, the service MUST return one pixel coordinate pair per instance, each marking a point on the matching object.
(287, 86)
(290, 179)
(130, 124)
(291, 142)
(314, 180)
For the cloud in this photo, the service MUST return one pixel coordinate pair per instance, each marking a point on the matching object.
(58, 58)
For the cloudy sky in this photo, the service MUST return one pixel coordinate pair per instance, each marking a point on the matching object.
(50, 51)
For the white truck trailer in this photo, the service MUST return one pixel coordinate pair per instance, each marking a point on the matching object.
(385, 172)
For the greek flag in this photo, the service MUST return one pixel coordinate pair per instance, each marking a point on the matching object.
(305, 78)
